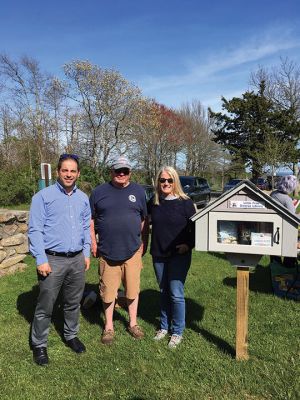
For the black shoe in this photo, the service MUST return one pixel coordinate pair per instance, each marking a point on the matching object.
(76, 345)
(40, 356)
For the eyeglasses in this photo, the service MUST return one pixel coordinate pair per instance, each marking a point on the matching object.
(67, 155)
(163, 180)
(124, 171)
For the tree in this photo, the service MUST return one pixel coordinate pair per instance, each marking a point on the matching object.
(201, 152)
(283, 88)
(29, 95)
(272, 154)
(7, 127)
(107, 106)
(246, 124)
(157, 138)
(282, 84)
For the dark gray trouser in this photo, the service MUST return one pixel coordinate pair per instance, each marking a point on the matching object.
(68, 274)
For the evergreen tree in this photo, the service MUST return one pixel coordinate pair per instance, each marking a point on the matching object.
(249, 122)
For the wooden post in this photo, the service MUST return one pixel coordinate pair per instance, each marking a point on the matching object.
(242, 313)
(45, 175)
(46, 169)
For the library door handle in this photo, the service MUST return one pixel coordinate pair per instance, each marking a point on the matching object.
(277, 236)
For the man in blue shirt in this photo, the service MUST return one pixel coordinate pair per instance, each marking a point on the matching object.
(59, 239)
(118, 218)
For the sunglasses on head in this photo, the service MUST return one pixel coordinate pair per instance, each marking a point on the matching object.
(124, 171)
(67, 155)
(163, 180)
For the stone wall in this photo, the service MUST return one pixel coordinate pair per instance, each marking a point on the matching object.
(13, 241)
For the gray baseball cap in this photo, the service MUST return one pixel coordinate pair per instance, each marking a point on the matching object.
(121, 162)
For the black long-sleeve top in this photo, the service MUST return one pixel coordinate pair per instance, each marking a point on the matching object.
(171, 225)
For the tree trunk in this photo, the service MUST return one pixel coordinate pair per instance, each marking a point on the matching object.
(296, 173)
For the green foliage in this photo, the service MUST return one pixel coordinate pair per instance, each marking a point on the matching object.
(91, 177)
(16, 187)
(141, 177)
(248, 121)
(273, 152)
(202, 367)
(21, 207)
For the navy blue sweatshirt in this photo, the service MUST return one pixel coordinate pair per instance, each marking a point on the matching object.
(171, 225)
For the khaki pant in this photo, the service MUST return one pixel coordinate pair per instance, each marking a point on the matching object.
(112, 273)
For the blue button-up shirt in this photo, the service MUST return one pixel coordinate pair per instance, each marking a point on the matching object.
(59, 222)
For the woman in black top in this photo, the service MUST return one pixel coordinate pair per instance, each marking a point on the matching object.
(172, 241)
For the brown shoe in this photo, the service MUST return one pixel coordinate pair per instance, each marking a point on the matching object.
(107, 337)
(136, 332)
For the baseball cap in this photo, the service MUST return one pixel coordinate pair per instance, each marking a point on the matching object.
(121, 162)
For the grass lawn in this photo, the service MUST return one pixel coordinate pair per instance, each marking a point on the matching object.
(202, 367)
(20, 207)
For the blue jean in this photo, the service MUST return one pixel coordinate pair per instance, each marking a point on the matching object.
(171, 274)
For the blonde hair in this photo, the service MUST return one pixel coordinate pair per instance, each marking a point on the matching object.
(176, 184)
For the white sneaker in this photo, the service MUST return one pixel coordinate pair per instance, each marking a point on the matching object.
(160, 334)
(174, 341)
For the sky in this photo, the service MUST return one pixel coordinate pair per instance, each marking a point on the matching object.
(175, 51)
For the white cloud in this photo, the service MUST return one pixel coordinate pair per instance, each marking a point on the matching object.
(255, 49)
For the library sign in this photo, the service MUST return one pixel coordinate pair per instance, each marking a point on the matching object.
(246, 204)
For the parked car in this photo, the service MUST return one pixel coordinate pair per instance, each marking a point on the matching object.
(231, 184)
(196, 188)
(262, 184)
(149, 191)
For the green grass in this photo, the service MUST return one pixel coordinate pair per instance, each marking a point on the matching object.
(21, 207)
(202, 367)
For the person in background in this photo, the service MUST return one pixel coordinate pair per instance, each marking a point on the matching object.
(284, 187)
(59, 239)
(172, 241)
(119, 218)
